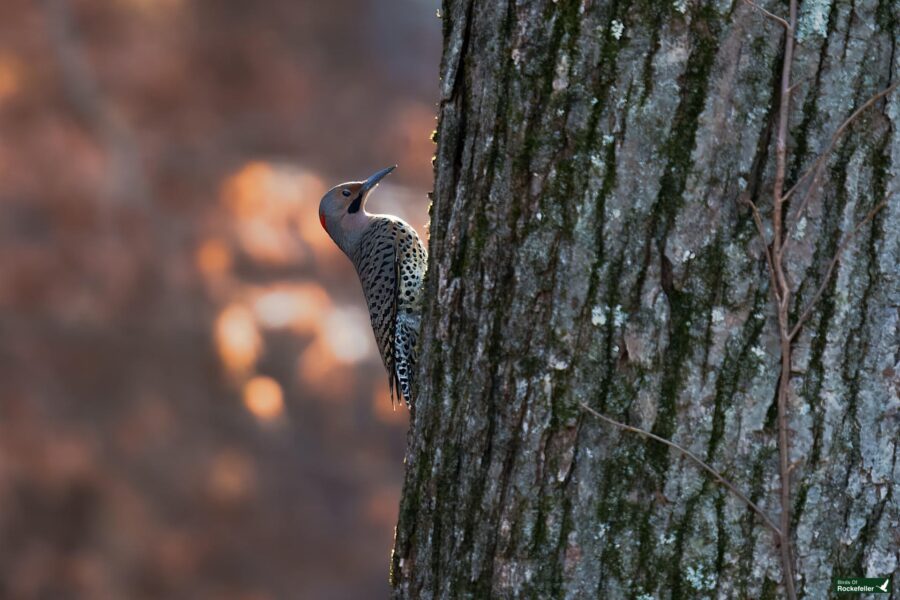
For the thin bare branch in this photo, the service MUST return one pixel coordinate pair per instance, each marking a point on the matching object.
(757, 218)
(816, 167)
(781, 240)
(697, 460)
(783, 300)
(770, 15)
(831, 266)
(781, 157)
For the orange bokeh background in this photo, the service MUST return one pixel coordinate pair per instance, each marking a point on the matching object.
(191, 402)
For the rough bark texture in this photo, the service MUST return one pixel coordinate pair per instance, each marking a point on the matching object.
(588, 245)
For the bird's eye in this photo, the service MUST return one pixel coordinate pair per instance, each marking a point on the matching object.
(346, 193)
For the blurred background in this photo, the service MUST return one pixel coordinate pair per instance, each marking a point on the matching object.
(191, 403)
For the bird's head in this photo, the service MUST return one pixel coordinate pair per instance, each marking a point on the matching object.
(342, 210)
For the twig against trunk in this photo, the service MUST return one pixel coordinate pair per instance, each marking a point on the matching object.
(696, 460)
(782, 297)
(757, 219)
(768, 14)
(834, 260)
(816, 169)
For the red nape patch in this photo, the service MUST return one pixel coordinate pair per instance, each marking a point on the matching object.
(322, 221)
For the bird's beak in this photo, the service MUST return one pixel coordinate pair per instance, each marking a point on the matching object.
(372, 181)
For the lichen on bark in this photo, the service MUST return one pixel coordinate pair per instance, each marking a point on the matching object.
(587, 244)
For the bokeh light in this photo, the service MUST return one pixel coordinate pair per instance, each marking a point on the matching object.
(237, 339)
(214, 258)
(10, 72)
(231, 477)
(297, 306)
(193, 405)
(348, 333)
(264, 398)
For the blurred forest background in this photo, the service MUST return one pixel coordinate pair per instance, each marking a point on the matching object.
(191, 404)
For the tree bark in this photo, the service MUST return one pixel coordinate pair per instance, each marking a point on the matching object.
(588, 245)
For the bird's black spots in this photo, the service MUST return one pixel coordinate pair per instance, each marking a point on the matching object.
(391, 262)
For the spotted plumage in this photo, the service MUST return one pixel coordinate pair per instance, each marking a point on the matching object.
(390, 260)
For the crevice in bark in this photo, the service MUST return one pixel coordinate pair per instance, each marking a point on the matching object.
(756, 490)
(851, 16)
(732, 371)
(810, 106)
(676, 568)
(658, 12)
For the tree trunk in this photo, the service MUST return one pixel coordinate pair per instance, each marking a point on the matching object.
(589, 245)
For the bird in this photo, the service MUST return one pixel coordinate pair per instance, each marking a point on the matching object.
(391, 261)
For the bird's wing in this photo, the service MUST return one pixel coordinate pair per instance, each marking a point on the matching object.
(411, 260)
(375, 264)
(391, 263)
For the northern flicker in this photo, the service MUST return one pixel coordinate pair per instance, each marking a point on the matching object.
(390, 260)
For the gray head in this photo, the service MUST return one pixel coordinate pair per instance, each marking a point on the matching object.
(342, 210)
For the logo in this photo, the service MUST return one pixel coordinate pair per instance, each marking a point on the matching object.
(862, 585)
